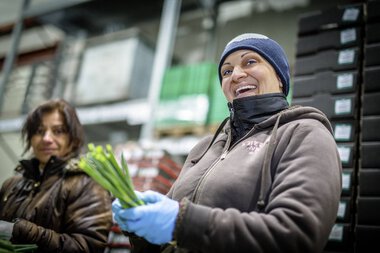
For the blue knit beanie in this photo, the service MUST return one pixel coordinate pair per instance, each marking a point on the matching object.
(264, 46)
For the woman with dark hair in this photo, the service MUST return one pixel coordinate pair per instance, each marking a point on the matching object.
(50, 202)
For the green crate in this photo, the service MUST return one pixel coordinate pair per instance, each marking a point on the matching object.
(171, 83)
(187, 80)
(184, 81)
(218, 109)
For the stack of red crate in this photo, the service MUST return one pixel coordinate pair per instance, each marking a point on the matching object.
(150, 170)
(155, 173)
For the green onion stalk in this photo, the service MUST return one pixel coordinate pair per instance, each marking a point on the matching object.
(7, 247)
(101, 165)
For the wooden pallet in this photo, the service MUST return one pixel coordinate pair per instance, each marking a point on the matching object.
(179, 131)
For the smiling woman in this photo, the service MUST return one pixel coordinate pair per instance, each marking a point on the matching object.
(281, 161)
(51, 202)
(245, 73)
(51, 138)
(260, 49)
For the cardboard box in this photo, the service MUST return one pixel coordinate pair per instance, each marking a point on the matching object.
(127, 52)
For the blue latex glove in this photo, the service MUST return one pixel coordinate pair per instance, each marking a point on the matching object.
(6, 229)
(154, 221)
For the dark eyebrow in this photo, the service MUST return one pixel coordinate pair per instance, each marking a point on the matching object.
(244, 54)
(53, 126)
(60, 125)
(241, 56)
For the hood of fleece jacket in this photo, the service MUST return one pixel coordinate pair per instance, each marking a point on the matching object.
(297, 112)
(287, 115)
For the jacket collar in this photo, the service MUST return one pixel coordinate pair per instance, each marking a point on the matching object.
(248, 111)
(30, 168)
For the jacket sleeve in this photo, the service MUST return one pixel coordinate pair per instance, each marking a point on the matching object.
(302, 203)
(139, 245)
(194, 156)
(85, 224)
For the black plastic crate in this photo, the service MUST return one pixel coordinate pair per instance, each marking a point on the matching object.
(367, 239)
(334, 60)
(326, 82)
(348, 182)
(368, 211)
(344, 130)
(335, 107)
(371, 103)
(372, 33)
(370, 154)
(371, 79)
(330, 39)
(339, 16)
(372, 54)
(345, 210)
(369, 182)
(370, 128)
(341, 238)
(373, 11)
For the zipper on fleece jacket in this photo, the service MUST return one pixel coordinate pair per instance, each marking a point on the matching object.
(221, 158)
(223, 155)
(266, 180)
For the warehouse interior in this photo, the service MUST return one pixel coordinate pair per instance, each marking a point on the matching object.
(142, 76)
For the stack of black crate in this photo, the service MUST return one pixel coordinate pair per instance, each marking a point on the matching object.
(328, 76)
(367, 232)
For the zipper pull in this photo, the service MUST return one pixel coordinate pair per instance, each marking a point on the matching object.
(223, 155)
(231, 109)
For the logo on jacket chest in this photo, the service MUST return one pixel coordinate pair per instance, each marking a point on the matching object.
(252, 146)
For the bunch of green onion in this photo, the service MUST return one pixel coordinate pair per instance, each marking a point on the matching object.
(102, 166)
(7, 247)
